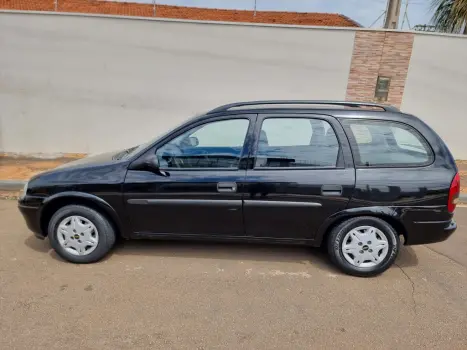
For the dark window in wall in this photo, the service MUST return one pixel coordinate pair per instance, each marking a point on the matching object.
(382, 88)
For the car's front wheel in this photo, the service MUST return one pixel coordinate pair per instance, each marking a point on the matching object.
(363, 246)
(80, 234)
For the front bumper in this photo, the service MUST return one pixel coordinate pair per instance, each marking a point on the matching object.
(31, 216)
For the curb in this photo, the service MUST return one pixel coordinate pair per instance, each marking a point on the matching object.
(9, 185)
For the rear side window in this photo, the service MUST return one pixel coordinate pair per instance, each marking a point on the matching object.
(387, 144)
(296, 143)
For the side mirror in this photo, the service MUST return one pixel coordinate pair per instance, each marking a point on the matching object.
(152, 164)
(193, 141)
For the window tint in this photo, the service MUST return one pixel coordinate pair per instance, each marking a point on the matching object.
(287, 132)
(361, 133)
(384, 143)
(296, 142)
(213, 145)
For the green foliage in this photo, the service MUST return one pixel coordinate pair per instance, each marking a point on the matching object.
(450, 15)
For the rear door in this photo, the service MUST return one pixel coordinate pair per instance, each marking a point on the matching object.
(302, 172)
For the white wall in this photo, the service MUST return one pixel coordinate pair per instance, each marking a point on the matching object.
(88, 84)
(436, 87)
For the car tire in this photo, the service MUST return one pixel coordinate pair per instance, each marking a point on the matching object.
(349, 250)
(88, 223)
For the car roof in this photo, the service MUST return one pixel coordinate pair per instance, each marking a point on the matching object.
(338, 109)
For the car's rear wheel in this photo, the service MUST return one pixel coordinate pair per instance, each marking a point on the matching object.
(363, 246)
(80, 234)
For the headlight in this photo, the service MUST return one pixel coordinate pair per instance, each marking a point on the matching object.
(23, 192)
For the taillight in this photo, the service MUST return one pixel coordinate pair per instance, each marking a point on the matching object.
(454, 191)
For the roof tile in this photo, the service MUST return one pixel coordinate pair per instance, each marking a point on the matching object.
(193, 13)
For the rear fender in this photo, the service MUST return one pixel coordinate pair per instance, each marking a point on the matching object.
(393, 215)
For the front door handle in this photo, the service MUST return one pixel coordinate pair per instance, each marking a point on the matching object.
(331, 190)
(226, 187)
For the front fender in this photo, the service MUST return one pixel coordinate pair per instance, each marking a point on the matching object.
(81, 197)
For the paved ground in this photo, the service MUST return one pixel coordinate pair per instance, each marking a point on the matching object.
(153, 295)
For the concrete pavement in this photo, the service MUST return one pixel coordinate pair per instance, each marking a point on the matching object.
(163, 295)
(455, 247)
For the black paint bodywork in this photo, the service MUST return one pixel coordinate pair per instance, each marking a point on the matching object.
(293, 205)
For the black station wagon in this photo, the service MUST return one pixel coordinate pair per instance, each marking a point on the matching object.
(352, 177)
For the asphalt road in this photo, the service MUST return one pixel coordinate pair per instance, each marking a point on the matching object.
(161, 295)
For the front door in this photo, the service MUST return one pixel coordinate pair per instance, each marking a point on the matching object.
(201, 196)
(302, 174)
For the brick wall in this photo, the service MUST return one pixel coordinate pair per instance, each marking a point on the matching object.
(379, 54)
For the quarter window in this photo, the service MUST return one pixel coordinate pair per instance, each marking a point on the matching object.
(217, 144)
(385, 143)
(296, 142)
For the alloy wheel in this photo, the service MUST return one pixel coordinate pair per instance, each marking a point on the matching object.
(365, 246)
(77, 235)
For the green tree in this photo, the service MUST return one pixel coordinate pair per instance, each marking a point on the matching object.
(450, 15)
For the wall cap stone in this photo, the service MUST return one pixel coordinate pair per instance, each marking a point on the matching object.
(242, 24)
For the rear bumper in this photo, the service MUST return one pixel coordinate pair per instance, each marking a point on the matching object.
(430, 232)
(32, 218)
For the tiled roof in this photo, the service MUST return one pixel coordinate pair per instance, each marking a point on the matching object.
(165, 11)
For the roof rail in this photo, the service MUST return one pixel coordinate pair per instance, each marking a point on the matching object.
(225, 108)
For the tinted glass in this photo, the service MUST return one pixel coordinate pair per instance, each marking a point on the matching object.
(213, 145)
(296, 142)
(384, 143)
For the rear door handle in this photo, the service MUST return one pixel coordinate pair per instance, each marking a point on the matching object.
(331, 190)
(227, 187)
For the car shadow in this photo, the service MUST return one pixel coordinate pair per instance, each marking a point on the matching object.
(205, 250)
(227, 251)
(407, 257)
(42, 246)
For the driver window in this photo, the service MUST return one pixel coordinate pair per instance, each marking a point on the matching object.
(213, 145)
